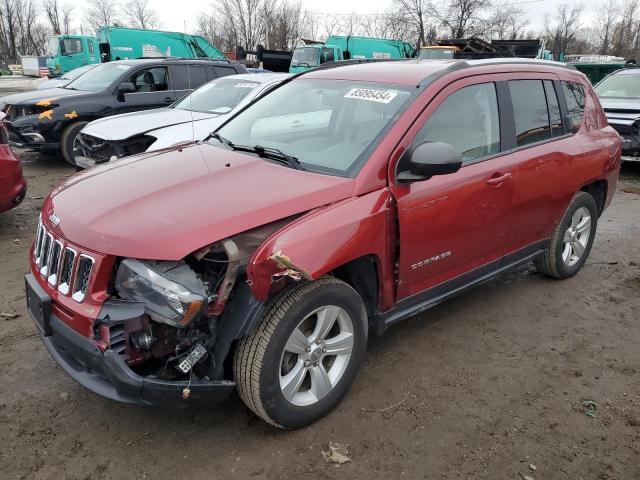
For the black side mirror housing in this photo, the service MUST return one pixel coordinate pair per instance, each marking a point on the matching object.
(126, 87)
(429, 159)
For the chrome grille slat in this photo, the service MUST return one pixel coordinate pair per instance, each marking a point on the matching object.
(38, 244)
(82, 276)
(47, 243)
(54, 262)
(66, 270)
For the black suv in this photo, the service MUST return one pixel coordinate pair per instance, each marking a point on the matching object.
(49, 120)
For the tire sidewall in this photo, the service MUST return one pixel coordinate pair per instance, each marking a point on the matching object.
(583, 200)
(276, 406)
(68, 138)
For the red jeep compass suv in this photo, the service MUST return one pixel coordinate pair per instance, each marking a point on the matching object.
(345, 200)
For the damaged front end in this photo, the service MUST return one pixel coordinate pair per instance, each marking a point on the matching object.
(90, 150)
(170, 325)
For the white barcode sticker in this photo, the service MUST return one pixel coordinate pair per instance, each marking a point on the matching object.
(381, 96)
(246, 85)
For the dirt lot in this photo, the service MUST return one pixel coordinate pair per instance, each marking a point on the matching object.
(489, 385)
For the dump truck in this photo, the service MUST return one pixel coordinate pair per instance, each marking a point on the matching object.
(476, 48)
(66, 52)
(336, 48)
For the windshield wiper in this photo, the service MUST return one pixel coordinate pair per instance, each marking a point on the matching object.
(221, 139)
(277, 154)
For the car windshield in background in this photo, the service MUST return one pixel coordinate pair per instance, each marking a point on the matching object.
(436, 53)
(327, 125)
(620, 85)
(76, 72)
(220, 96)
(99, 78)
(305, 57)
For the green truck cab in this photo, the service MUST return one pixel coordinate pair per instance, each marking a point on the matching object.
(66, 52)
(337, 48)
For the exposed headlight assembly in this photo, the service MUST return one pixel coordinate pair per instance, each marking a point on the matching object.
(171, 291)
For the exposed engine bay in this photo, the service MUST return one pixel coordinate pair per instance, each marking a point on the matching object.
(175, 338)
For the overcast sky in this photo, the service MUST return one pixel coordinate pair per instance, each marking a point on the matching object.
(175, 17)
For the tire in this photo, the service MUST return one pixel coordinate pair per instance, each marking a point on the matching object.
(262, 367)
(67, 140)
(560, 260)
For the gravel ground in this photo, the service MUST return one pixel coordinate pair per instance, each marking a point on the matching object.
(489, 385)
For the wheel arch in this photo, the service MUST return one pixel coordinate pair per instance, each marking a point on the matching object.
(598, 190)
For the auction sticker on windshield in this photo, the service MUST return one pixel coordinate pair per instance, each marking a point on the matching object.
(381, 96)
(246, 85)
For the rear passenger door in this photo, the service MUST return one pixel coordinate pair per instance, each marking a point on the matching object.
(186, 78)
(544, 150)
(453, 228)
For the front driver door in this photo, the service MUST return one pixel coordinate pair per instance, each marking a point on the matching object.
(454, 227)
(152, 90)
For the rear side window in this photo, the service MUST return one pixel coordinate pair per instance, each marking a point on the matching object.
(468, 121)
(555, 117)
(224, 71)
(188, 77)
(575, 96)
(530, 110)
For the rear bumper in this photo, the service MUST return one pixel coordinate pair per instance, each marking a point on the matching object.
(106, 373)
(15, 198)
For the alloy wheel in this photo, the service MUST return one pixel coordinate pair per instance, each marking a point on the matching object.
(316, 355)
(576, 236)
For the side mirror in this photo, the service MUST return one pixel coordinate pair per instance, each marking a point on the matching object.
(126, 87)
(429, 159)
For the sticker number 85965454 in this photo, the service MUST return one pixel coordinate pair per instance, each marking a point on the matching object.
(372, 95)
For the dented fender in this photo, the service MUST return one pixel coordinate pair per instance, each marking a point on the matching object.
(327, 238)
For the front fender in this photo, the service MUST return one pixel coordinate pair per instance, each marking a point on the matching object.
(327, 238)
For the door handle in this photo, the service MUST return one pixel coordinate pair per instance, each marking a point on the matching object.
(168, 99)
(498, 179)
(297, 124)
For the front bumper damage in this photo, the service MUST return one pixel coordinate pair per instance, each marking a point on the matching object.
(629, 131)
(105, 372)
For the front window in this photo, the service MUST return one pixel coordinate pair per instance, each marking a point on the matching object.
(220, 96)
(52, 46)
(305, 57)
(621, 85)
(71, 46)
(99, 78)
(330, 126)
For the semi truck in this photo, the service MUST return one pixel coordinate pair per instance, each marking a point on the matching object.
(66, 52)
(336, 48)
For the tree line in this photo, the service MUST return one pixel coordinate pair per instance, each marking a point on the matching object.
(26, 25)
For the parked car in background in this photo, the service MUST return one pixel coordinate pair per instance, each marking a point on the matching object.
(620, 97)
(13, 186)
(345, 200)
(65, 79)
(50, 120)
(189, 119)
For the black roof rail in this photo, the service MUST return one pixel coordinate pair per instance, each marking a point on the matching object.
(184, 58)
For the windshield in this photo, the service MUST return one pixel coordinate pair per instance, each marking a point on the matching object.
(436, 53)
(330, 126)
(99, 78)
(220, 96)
(52, 46)
(305, 56)
(76, 72)
(620, 85)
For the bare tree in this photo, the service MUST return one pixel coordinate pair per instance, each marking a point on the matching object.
(462, 18)
(52, 12)
(101, 13)
(139, 15)
(67, 16)
(414, 13)
(605, 21)
(507, 21)
(561, 31)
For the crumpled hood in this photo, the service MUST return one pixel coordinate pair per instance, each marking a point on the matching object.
(185, 132)
(167, 205)
(127, 125)
(621, 110)
(35, 96)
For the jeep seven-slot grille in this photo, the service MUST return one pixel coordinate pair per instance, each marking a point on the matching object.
(61, 265)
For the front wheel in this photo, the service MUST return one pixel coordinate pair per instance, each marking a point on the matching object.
(305, 354)
(572, 240)
(68, 139)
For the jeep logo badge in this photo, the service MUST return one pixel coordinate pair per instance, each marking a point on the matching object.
(53, 218)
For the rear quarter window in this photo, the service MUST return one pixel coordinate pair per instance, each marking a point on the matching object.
(576, 99)
(530, 110)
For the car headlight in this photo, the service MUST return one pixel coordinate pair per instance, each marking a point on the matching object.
(171, 291)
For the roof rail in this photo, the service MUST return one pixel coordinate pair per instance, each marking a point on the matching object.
(184, 58)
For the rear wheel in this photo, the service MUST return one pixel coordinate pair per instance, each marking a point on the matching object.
(67, 141)
(572, 240)
(304, 355)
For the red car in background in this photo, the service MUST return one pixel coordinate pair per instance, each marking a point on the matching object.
(13, 186)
